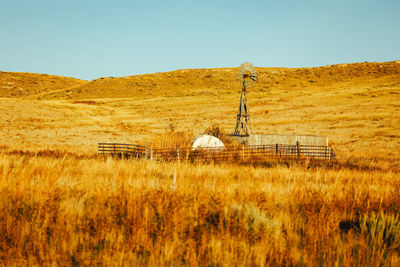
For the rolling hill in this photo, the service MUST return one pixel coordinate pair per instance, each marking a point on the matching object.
(22, 84)
(193, 82)
(356, 105)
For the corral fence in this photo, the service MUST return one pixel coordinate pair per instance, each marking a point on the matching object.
(227, 154)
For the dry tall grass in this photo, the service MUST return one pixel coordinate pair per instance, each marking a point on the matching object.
(75, 210)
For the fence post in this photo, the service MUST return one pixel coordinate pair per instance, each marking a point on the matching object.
(298, 149)
(145, 152)
(276, 149)
(177, 154)
(151, 151)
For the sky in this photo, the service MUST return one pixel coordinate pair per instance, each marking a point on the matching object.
(88, 39)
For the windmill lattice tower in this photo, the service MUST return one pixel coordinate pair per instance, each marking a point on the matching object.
(247, 75)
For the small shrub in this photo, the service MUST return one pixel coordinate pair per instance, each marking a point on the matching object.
(217, 131)
(172, 140)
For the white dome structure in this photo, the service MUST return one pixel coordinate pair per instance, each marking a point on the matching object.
(207, 141)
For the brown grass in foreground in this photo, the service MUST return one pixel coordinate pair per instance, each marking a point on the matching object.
(74, 210)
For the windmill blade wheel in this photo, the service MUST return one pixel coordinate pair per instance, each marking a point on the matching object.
(247, 73)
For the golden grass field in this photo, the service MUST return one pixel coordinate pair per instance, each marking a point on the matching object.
(62, 204)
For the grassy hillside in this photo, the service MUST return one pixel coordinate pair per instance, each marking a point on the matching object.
(195, 82)
(62, 204)
(355, 105)
(22, 84)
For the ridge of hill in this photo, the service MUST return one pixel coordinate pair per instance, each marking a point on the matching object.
(192, 82)
(23, 84)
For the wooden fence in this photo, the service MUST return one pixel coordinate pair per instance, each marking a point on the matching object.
(227, 154)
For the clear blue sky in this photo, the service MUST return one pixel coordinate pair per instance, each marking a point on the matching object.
(89, 39)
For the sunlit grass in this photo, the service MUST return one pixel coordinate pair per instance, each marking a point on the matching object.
(68, 209)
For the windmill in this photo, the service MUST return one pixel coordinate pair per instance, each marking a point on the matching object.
(247, 76)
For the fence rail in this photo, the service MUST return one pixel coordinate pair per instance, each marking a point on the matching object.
(229, 153)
